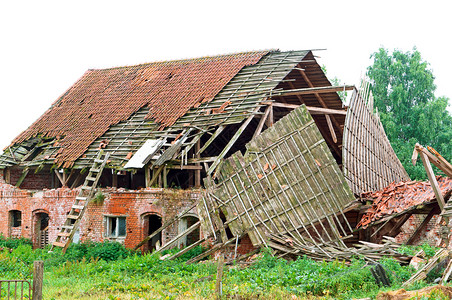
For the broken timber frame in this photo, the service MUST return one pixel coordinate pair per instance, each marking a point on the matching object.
(439, 162)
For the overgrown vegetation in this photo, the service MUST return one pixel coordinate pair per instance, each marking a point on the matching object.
(109, 271)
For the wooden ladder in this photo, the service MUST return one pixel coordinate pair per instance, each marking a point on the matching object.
(66, 234)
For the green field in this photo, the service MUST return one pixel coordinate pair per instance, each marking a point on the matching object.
(109, 271)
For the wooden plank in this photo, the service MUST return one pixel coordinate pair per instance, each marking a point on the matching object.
(165, 225)
(432, 179)
(437, 160)
(219, 279)
(322, 103)
(38, 277)
(180, 235)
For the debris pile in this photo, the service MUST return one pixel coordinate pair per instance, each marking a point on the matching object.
(401, 197)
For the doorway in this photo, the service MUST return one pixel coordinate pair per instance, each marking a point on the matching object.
(151, 223)
(41, 229)
(184, 224)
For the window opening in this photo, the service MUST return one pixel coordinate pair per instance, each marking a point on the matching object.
(116, 227)
(15, 218)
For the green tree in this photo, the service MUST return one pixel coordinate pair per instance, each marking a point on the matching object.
(403, 88)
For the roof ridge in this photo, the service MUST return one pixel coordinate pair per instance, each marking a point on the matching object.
(190, 59)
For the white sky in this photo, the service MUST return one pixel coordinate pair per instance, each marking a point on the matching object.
(47, 45)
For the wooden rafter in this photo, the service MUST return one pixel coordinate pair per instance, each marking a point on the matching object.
(315, 90)
(324, 134)
(316, 94)
(232, 141)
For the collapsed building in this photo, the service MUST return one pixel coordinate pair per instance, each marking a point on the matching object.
(247, 150)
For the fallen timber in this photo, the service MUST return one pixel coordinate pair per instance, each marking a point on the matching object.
(285, 193)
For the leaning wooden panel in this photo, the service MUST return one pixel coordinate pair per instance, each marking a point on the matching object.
(286, 187)
(369, 162)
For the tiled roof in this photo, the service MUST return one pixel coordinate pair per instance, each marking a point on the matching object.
(102, 98)
(398, 197)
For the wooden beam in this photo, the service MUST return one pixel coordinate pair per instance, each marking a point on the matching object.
(432, 179)
(322, 103)
(168, 223)
(165, 176)
(421, 227)
(270, 118)
(59, 177)
(232, 142)
(211, 139)
(155, 176)
(147, 175)
(261, 122)
(312, 109)
(317, 90)
(326, 136)
(331, 128)
(198, 171)
(399, 224)
(439, 161)
(184, 167)
(22, 177)
(180, 235)
(7, 173)
(325, 111)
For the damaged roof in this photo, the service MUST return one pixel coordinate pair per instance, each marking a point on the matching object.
(119, 109)
(402, 196)
(102, 98)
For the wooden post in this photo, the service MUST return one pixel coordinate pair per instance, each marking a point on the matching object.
(269, 121)
(114, 178)
(218, 284)
(198, 172)
(38, 275)
(165, 177)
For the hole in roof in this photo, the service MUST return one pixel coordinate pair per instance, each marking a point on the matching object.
(90, 116)
(170, 75)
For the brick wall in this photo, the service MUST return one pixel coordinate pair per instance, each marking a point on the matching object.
(32, 181)
(132, 204)
(431, 234)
